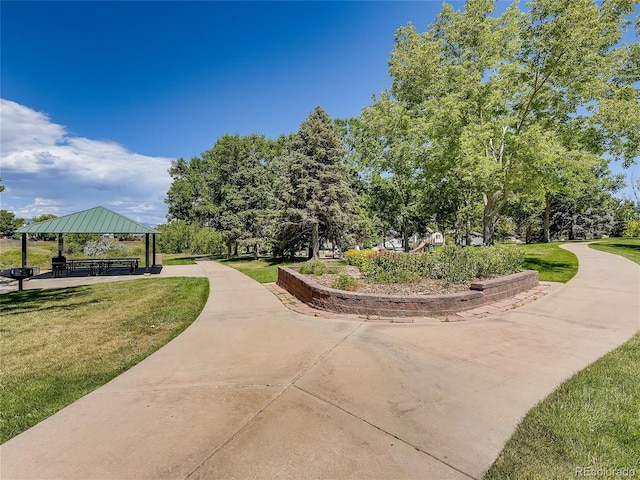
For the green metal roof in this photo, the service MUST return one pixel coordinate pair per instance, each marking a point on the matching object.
(94, 220)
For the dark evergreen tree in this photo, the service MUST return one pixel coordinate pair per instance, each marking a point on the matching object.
(314, 197)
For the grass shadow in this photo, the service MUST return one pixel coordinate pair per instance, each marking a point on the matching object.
(539, 263)
(33, 300)
(625, 246)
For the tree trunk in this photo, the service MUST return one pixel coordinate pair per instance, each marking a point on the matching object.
(235, 249)
(571, 225)
(492, 206)
(256, 251)
(315, 241)
(487, 229)
(405, 235)
(546, 237)
(468, 233)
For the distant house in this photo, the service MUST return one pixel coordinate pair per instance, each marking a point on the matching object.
(433, 238)
(476, 239)
(393, 244)
(417, 242)
(429, 239)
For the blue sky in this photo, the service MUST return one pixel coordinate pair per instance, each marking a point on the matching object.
(99, 97)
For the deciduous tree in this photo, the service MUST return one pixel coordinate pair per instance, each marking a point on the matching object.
(499, 96)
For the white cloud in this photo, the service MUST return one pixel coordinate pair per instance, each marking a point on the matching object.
(47, 170)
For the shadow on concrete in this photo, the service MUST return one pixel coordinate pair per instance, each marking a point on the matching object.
(114, 272)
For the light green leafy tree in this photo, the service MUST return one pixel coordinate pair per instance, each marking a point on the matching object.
(367, 225)
(499, 96)
(391, 154)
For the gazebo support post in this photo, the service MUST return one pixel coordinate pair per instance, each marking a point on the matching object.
(60, 245)
(146, 253)
(24, 258)
(24, 250)
(154, 249)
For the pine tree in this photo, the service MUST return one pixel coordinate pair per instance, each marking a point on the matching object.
(315, 199)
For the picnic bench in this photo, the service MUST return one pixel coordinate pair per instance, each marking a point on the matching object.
(94, 266)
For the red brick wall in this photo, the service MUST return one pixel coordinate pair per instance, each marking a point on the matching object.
(480, 293)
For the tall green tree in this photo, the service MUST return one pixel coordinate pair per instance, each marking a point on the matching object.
(314, 196)
(241, 188)
(229, 188)
(498, 96)
(392, 151)
(9, 223)
(189, 193)
(366, 227)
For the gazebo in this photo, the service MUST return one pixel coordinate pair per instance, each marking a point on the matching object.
(98, 220)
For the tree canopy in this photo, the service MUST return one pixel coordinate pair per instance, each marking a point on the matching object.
(503, 123)
(502, 97)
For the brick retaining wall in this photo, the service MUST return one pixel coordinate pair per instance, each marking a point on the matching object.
(340, 301)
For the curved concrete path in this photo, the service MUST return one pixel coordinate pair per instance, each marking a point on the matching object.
(254, 390)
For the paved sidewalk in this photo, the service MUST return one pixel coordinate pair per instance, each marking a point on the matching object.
(255, 390)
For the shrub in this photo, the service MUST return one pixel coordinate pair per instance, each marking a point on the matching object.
(76, 242)
(451, 264)
(207, 241)
(632, 229)
(93, 248)
(389, 267)
(314, 267)
(358, 257)
(180, 237)
(345, 282)
(176, 237)
(460, 265)
(457, 265)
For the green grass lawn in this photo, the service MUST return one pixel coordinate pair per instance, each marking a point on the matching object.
(58, 345)
(627, 247)
(552, 262)
(178, 259)
(590, 422)
(263, 271)
(38, 254)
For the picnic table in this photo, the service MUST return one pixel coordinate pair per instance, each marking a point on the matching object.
(94, 266)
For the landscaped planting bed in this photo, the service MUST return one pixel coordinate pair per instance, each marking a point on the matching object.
(430, 284)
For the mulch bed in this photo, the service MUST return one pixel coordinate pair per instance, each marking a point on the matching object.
(425, 286)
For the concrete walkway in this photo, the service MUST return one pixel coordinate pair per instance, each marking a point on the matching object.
(254, 390)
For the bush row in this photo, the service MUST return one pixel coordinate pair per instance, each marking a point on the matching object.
(450, 263)
(180, 237)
